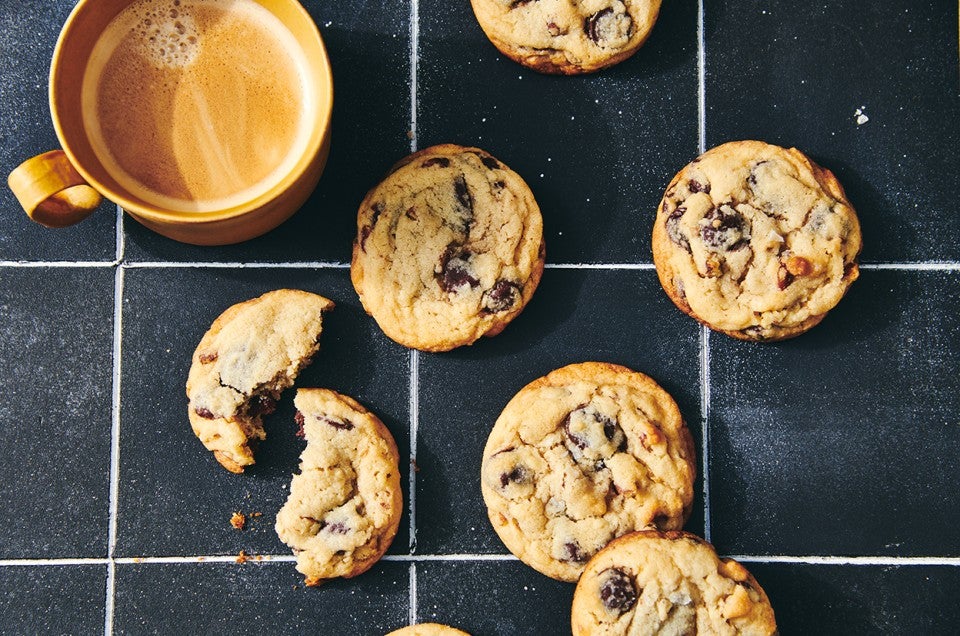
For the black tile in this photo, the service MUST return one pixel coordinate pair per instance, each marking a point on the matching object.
(492, 598)
(55, 599)
(861, 599)
(256, 598)
(843, 441)
(174, 498)
(28, 131)
(597, 151)
(796, 74)
(575, 316)
(56, 345)
(369, 51)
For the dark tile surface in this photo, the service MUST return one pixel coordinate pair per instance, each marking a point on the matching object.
(844, 440)
(56, 345)
(52, 599)
(174, 497)
(575, 316)
(795, 74)
(492, 598)
(256, 598)
(861, 599)
(597, 151)
(841, 443)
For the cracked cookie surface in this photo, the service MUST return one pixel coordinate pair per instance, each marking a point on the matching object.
(449, 248)
(251, 353)
(428, 629)
(587, 453)
(756, 241)
(668, 584)
(344, 506)
(567, 36)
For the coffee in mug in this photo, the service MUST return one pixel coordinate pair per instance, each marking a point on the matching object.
(197, 105)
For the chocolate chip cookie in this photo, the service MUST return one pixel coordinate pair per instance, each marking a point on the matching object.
(668, 583)
(580, 456)
(567, 36)
(345, 504)
(449, 248)
(756, 241)
(428, 629)
(251, 353)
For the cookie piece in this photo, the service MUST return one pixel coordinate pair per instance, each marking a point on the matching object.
(756, 241)
(251, 353)
(668, 583)
(428, 629)
(449, 248)
(584, 454)
(345, 504)
(567, 36)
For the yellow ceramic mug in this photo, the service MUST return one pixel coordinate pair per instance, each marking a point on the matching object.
(206, 120)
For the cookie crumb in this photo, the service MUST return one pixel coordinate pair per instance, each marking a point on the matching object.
(861, 116)
(242, 557)
(256, 514)
(238, 520)
(413, 464)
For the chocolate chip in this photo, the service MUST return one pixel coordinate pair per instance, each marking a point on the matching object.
(344, 425)
(517, 476)
(204, 413)
(724, 228)
(454, 273)
(520, 3)
(298, 418)
(364, 235)
(695, 186)
(752, 179)
(411, 214)
(502, 296)
(673, 228)
(377, 211)
(489, 162)
(574, 553)
(463, 192)
(499, 184)
(591, 24)
(207, 358)
(608, 29)
(553, 29)
(592, 437)
(617, 591)
(443, 162)
(262, 404)
(337, 527)
(784, 278)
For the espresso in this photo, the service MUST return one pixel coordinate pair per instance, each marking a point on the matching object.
(197, 105)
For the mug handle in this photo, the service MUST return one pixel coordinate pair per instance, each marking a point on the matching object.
(52, 191)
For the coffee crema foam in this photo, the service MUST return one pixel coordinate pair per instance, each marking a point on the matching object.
(197, 105)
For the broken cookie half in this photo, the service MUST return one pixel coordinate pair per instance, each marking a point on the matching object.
(251, 353)
(345, 504)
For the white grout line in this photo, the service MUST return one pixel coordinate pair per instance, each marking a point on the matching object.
(705, 427)
(414, 432)
(701, 79)
(704, 332)
(412, 581)
(935, 266)
(599, 266)
(856, 560)
(110, 593)
(414, 64)
(238, 265)
(883, 561)
(121, 239)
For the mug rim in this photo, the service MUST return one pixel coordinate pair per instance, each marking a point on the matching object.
(319, 130)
